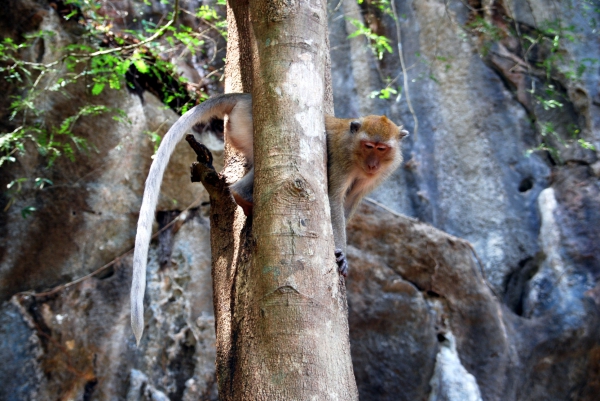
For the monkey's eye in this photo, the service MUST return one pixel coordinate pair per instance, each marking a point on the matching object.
(381, 148)
(369, 145)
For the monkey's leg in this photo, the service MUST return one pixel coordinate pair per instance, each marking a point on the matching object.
(242, 192)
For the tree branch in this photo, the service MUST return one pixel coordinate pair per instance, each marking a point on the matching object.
(203, 171)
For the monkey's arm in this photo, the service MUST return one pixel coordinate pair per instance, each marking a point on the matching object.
(338, 223)
(338, 180)
(215, 107)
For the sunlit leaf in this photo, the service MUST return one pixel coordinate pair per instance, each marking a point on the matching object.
(98, 88)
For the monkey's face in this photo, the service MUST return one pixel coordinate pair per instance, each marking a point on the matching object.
(378, 144)
(374, 155)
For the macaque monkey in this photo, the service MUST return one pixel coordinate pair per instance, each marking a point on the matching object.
(361, 153)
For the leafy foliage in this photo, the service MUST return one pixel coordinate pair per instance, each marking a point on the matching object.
(489, 33)
(549, 42)
(383, 6)
(541, 55)
(385, 93)
(379, 44)
(100, 60)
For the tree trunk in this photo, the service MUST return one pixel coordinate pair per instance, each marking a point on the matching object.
(280, 304)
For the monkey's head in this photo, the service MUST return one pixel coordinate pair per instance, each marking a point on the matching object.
(378, 141)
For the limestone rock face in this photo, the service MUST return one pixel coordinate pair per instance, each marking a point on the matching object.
(531, 218)
(78, 341)
(88, 215)
(450, 380)
(453, 334)
(479, 280)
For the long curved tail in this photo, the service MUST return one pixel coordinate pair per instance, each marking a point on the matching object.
(215, 107)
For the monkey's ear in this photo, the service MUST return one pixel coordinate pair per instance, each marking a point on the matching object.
(354, 127)
(403, 132)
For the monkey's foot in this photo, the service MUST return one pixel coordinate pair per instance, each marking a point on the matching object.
(342, 262)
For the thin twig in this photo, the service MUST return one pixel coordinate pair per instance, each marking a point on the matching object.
(156, 35)
(213, 72)
(213, 26)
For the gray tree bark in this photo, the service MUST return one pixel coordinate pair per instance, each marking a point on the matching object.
(280, 304)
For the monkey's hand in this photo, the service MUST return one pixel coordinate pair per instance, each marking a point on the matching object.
(342, 262)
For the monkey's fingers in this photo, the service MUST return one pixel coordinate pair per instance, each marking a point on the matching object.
(342, 262)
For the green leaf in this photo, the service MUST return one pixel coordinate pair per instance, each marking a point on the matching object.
(586, 145)
(97, 89)
(27, 211)
(384, 93)
(122, 66)
(18, 182)
(185, 108)
(114, 81)
(5, 159)
(141, 66)
(70, 15)
(41, 182)
(378, 43)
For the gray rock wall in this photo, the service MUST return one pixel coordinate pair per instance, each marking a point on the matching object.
(530, 218)
(487, 290)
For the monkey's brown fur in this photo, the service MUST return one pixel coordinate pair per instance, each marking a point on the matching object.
(361, 153)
